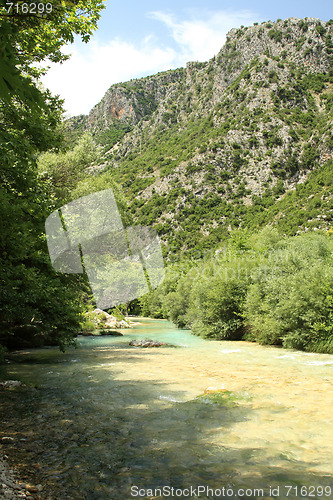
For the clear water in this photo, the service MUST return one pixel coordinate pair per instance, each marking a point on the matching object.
(107, 416)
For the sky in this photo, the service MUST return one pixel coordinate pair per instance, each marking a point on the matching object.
(138, 38)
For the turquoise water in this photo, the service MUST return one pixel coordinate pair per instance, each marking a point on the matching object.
(107, 417)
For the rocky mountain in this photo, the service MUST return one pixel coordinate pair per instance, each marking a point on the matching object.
(242, 140)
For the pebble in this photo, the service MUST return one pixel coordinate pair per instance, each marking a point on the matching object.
(10, 488)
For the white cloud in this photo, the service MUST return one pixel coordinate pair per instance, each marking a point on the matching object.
(93, 68)
(203, 36)
(85, 77)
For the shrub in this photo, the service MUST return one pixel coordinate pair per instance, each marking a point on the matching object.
(320, 29)
(275, 35)
(288, 304)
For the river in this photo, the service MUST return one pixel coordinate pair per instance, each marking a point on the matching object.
(109, 421)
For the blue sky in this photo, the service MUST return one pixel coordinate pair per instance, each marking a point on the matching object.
(140, 38)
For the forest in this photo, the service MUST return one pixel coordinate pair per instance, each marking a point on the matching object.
(37, 305)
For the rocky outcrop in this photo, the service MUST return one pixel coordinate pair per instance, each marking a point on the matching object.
(105, 320)
(128, 102)
(99, 322)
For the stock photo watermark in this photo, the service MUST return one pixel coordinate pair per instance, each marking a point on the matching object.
(285, 491)
(87, 235)
(122, 264)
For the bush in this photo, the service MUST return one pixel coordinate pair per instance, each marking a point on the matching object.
(310, 156)
(320, 29)
(66, 169)
(288, 303)
(275, 35)
(218, 292)
(175, 304)
(258, 287)
(218, 307)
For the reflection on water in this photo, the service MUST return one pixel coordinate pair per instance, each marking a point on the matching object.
(107, 416)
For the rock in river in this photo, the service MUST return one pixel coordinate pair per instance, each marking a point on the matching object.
(146, 343)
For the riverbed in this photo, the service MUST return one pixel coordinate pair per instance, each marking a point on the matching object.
(111, 421)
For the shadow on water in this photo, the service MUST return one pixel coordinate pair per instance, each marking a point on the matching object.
(84, 434)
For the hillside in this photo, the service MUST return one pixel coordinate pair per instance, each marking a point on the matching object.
(214, 146)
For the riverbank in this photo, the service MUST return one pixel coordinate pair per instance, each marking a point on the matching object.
(12, 487)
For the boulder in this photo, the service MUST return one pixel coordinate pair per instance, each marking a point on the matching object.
(146, 343)
(123, 324)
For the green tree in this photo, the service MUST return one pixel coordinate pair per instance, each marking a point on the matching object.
(36, 304)
(30, 38)
(64, 170)
(290, 301)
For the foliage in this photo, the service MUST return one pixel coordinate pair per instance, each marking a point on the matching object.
(37, 305)
(63, 170)
(107, 138)
(289, 303)
(258, 287)
(216, 308)
(28, 39)
(275, 35)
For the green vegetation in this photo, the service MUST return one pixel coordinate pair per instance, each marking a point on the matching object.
(37, 306)
(260, 287)
(64, 169)
(108, 137)
(223, 397)
(275, 35)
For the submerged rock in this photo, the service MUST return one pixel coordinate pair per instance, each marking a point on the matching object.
(112, 333)
(146, 343)
(10, 488)
(10, 384)
(103, 333)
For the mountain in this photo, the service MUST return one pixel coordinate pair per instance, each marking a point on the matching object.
(242, 140)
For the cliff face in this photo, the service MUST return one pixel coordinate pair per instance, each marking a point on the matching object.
(131, 101)
(248, 125)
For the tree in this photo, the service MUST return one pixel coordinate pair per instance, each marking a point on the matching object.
(64, 169)
(36, 304)
(27, 38)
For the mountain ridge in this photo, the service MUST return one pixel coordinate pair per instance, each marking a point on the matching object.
(202, 149)
(263, 41)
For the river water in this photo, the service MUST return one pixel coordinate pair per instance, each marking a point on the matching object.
(110, 421)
